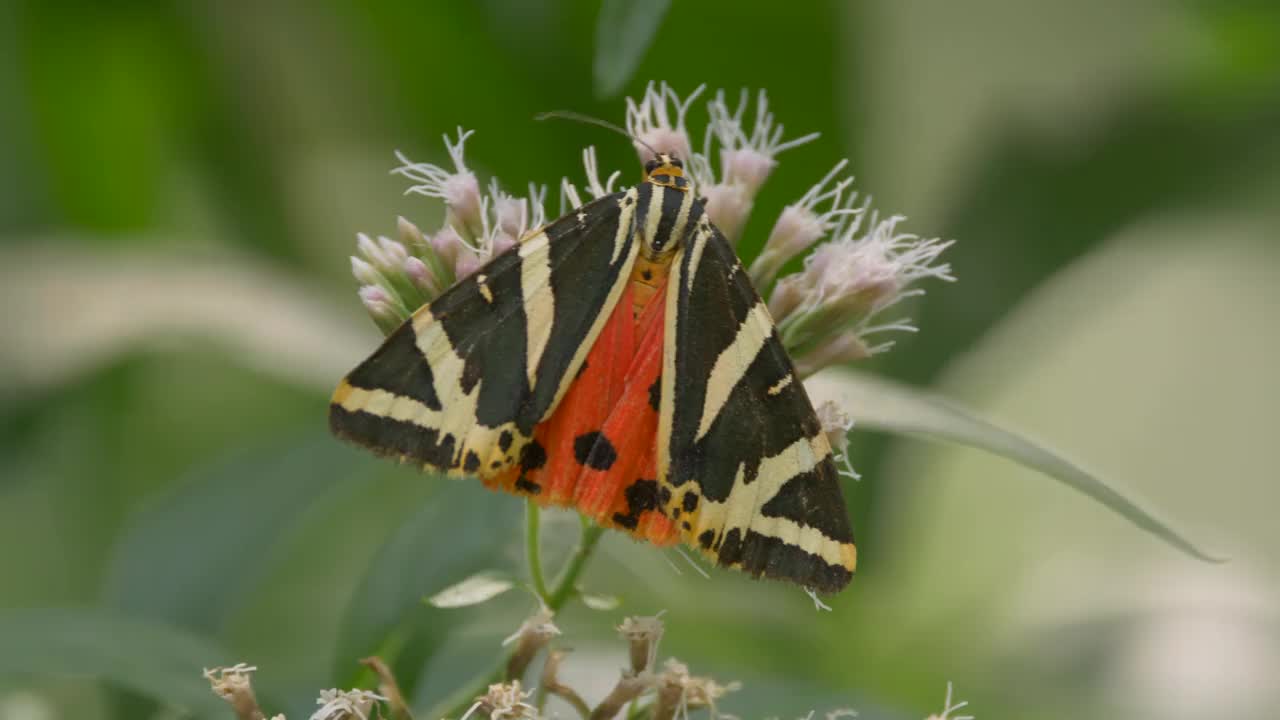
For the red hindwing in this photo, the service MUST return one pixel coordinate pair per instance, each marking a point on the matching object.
(598, 450)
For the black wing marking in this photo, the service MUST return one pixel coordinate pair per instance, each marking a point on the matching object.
(739, 441)
(460, 386)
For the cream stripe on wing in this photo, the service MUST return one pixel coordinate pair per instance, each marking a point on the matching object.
(682, 218)
(628, 211)
(732, 364)
(654, 216)
(625, 218)
(539, 301)
(700, 238)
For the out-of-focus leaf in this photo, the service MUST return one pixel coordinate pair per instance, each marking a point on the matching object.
(597, 601)
(197, 553)
(461, 530)
(474, 590)
(624, 31)
(153, 659)
(80, 309)
(883, 404)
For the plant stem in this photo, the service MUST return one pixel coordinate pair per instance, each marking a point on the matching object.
(533, 549)
(567, 582)
(565, 586)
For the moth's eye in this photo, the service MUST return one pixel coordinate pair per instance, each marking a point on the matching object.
(677, 162)
(651, 166)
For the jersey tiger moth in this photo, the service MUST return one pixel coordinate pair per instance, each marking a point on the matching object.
(618, 361)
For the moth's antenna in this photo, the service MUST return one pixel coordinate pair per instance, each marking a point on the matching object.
(579, 117)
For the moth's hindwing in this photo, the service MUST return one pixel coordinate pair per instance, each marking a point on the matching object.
(597, 451)
(460, 386)
(749, 472)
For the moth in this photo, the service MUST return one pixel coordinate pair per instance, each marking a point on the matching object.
(618, 361)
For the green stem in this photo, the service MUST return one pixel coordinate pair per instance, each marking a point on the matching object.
(533, 549)
(565, 586)
(567, 582)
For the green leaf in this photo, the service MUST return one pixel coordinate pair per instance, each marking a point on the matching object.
(624, 31)
(474, 590)
(196, 554)
(461, 529)
(149, 658)
(882, 404)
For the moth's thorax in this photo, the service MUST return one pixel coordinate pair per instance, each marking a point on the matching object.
(664, 217)
(666, 213)
(667, 171)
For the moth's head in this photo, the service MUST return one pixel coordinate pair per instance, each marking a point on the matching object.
(668, 171)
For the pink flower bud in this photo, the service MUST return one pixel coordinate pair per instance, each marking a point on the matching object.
(448, 244)
(502, 242)
(787, 296)
(411, 236)
(468, 262)
(462, 197)
(372, 252)
(747, 166)
(364, 272)
(728, 206)
(421, 277)
(394, 252)
(658, 120)
(840, 349)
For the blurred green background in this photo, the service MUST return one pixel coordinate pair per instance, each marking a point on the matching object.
(180, 185)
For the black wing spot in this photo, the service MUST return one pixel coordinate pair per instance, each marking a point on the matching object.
(524, 484)
(594, 450)
(641, 495)
(686, 525)
(664, 496)
(655, 393)
(706, 538)
(495, 464)
(533, 456)
(730, 552)
(504, 440)
(472, 462)
(690, 501)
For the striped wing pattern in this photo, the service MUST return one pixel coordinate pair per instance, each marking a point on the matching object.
(747, 471)
(460, 386)
(683, 422)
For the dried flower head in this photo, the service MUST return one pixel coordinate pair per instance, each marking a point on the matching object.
(346, 704)
(642, 633)
(235, 685)
(529, 639)
(679, 691)
(836, 423)
(504, 701)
